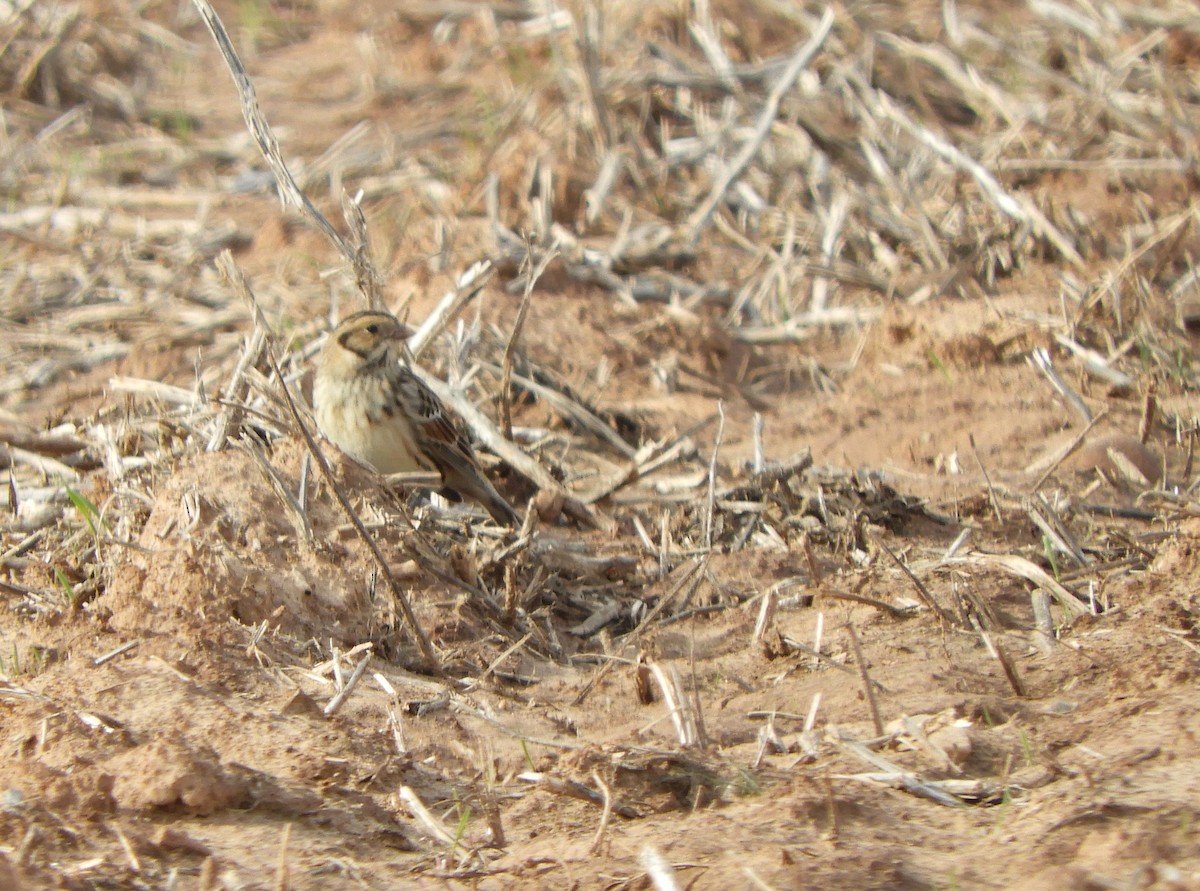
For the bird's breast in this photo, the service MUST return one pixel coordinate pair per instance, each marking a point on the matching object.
(360, 416)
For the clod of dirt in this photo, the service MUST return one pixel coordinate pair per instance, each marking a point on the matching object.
(218, 545)
(954, 740)
(1121, 458)
(168, 773)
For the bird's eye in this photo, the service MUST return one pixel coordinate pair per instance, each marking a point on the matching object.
(372, 328)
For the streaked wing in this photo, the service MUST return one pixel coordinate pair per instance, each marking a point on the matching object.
(436, 424)
(442, 440)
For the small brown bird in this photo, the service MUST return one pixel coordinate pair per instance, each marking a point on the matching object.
(372, 406)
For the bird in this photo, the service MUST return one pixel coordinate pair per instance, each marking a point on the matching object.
(370, 404)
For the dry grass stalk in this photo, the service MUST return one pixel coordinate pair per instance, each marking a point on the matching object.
(290, 192)
(432, 825)
(1149, 410)
(769, 741)
(1068, 451)
(1031, 572)
(504, 655)
(868, 687)
(1040, 359)
(282, 872)
(1055, 529)
(233, 391)
(292, 506)
(998, 653)
(895, 774)
(792, 644)
(467, 287)
(710, 503)
(127, 848)
(602, 829)
(490, 436)
(510, 348)
(995, 502)
(574, 789)
(576, 412)
(766, 615)
(926, 596)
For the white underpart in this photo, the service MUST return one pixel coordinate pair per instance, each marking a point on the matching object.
(386, 443)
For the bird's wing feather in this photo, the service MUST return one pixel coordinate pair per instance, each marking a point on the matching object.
(435, 425)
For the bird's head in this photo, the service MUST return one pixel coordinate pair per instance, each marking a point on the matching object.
(371, 335)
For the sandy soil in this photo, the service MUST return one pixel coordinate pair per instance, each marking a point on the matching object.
(201, 754)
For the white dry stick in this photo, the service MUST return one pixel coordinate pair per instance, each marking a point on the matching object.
(958, 542)
(594, 198)
(700, 217)
(1070, 16)
(394, 721)
(1043, 621)
(302, 489)
(900, 194)
(702, 31)
(424, 817)
(894, 773)
(47, 467)
(396, 724)
(951, 24)
(113, 654)
(156, 390)
(72, 220)
(1040, 359)
(598, 838)
(835, 219)
(466, 287)
(712, 477)
(227, 418)
(1095, 364)
(677, 706)
(803, 326)
(337, 701)
(810, 720)
(967, 79)
(329, 666)
(757, 434)
(384, 684)
(660, 872)
(336, 665)
(577, 412)
(766, 613)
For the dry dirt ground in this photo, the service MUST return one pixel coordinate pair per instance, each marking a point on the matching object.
(677, 695)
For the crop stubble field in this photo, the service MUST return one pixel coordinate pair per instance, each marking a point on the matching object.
(854, 346)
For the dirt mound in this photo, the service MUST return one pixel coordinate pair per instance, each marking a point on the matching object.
(218, 545)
